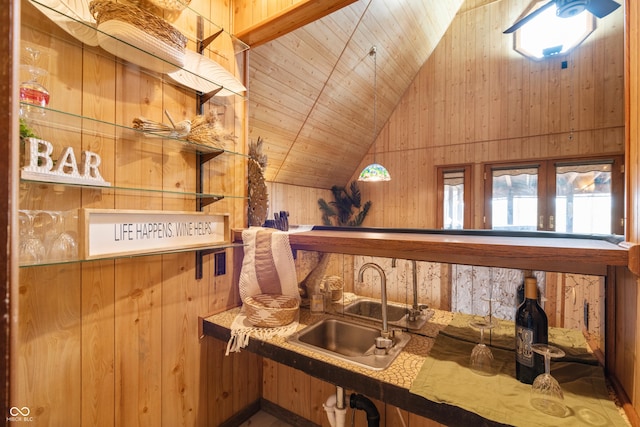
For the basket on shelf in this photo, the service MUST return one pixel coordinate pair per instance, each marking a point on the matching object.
(335, 284)
(129, 32)
(171, 5)
(271, 310)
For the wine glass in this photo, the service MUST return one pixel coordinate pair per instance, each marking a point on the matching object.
(65, 246)
(31, 249)
(31, 91)
(481, 360)
(546, 394)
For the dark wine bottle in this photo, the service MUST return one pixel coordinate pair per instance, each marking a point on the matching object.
(531, 328)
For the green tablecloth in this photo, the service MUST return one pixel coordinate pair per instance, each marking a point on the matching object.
(445, 377)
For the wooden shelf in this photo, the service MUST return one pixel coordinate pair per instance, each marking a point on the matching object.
(542, 251)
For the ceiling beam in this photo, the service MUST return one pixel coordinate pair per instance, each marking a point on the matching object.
(289, 19)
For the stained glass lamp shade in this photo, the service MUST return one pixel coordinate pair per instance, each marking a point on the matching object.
(374, 172)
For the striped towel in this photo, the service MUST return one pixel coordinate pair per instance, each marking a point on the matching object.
(267, 268)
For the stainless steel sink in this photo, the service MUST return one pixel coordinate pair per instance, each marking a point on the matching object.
(397, 315)
(372, 310)
(349, 341)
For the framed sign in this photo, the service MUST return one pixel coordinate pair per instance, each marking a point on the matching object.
(108, 232)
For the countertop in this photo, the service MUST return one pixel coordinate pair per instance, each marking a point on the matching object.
(390, 385)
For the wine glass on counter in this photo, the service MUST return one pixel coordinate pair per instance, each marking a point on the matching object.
(546, 393)
(481, 361)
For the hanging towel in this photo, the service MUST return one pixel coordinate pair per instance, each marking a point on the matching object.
(267, 268)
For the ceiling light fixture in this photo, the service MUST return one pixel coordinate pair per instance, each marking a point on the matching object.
(374, 172)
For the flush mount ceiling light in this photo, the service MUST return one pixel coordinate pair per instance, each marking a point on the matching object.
(374, 172)
(555, 27)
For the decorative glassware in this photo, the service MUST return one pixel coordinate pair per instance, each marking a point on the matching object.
(31, 249)
(546, 394)
(31, 91)
(65, 245)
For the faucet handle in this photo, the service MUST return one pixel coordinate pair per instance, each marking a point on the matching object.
(383, 344)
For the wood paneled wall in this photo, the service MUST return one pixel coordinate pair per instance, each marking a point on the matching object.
(476, 100)
(250, 12)
(116, 342)
(626, 366)
(304, 395)
(300, 202)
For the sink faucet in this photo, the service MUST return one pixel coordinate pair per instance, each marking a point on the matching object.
(416, 309)
(384, 341)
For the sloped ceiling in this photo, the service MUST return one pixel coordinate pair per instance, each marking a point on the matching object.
(311, 91)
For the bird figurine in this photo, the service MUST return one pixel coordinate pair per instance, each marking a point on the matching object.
(175, 130)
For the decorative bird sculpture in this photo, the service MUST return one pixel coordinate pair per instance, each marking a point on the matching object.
(175, 130)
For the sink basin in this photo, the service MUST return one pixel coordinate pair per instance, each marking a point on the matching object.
(397, 315)
(348, 341)
(372, 310)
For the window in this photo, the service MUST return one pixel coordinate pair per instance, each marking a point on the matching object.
(514, 198)
(581, 196)
(547, 34)
(454, 198)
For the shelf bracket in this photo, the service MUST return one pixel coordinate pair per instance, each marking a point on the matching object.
(202, 44)
(199, 256)
(202, 98)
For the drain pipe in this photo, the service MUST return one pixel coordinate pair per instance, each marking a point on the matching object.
(359, 401)
(336, 409)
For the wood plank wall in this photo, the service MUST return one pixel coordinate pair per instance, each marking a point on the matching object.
(627, 298)
(477, 101)
(249, 12)
(116, 343)
(304, 395)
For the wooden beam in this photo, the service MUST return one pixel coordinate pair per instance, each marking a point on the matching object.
(289, 19)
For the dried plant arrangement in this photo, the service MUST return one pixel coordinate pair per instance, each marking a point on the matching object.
(258, 196)
(202, 129)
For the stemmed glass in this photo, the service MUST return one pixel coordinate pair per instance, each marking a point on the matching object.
(31, 91)
(65, 246)
(546, 394)
(481, 360)
(31, 249)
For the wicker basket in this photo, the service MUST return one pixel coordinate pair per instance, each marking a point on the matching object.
(336, 284)
(130, 32)
(171, 5)
(270, 310)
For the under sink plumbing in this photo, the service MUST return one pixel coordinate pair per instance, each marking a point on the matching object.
(337, 411)
(384, 341)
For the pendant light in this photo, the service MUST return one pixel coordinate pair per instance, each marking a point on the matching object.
(374, 172)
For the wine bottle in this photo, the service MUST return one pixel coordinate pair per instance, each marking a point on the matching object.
(531, 328)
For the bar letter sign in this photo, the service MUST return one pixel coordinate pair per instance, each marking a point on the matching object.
(126, 232)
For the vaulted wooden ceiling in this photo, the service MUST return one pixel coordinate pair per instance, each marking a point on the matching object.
(311, 90)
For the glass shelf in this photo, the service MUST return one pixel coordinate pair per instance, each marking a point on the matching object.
(207, 198)
(81, 29)
(44, 119)
(210, 248)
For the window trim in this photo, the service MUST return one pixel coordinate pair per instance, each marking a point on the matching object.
(547, 187)
(466, 170)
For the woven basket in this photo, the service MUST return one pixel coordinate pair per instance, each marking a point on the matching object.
(171, 5)
(336, 284)
(130, 32)
(270, 310)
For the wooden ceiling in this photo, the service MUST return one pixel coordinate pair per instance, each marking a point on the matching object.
(311, 90)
